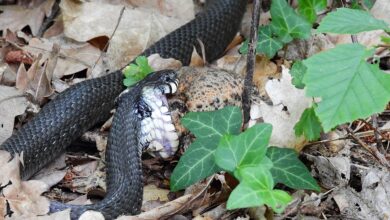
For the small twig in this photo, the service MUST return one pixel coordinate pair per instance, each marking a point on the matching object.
(109, 39)
(377, 135)
(374, 151)
(251, 59)
(374, 126)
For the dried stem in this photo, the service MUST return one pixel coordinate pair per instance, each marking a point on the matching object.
(251, 59)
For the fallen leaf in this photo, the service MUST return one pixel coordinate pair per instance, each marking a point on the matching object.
(17, 17)
(71, 58)
(151, 192)
(24, 197)
(288, 105)
(381, 10)
(91, 215)
(12, 103)
(88, 20)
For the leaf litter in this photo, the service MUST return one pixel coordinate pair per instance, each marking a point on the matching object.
(45, 66)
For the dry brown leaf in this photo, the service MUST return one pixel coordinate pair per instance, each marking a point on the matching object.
(53, 173)
(62, 215)
(158, 63)
(12, 103)
(88, 20)
(151, 192)
(165, 210)
(24, 197)
(72, 57)
(17, 17)
(92, 215)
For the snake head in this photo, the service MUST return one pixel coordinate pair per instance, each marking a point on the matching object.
(158, 134)
(165, 80)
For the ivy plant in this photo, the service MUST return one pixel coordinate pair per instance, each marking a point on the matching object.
(220, 146)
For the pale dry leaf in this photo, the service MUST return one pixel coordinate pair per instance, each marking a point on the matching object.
(161, 211)
(53, 173)
(39, 84)
(3, 207)
(12, 103)
(183, 9)
(332, 171)
(23, 197)
(62, 215)
(288, 105)
(88, 20)
(91, 215)
(72, 57)
(381, 10)
(22, 78)
(158, 63)
(17, 17)
(151, 192)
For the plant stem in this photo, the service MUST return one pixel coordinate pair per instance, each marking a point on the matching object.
(251, 59)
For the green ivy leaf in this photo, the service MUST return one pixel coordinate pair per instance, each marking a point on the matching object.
(246, 149)
(213, 125)
(349, 87)
(309, 8)
(289, 170)
(385, 40)
(136, 72)
(350, 21)
(197, 163)
(256, 189)
(286, 23)
(208, 127)
(268, 42)
(298, 71)
(309, 125)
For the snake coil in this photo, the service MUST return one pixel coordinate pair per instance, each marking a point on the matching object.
(85, 104)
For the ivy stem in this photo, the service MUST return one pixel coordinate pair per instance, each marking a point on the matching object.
(251, 59)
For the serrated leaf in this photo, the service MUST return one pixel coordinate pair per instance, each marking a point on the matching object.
(350, 21)
(256, 189)
(349, 87)
(213, 125)
(197, 163)
(267, 43)
(286, 23)
(298, 71)
(309, 8)
(289, 170)
(136, 72)
(308, 125)
(246, 149)
(208, 127)
(129, 82)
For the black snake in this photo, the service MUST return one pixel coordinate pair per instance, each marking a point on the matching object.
(85, 104)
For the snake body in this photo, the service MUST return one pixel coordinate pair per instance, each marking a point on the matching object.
(85, 104)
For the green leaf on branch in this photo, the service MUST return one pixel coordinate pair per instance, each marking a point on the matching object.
(289, 170)
(350, 21)
(267, 43)
(349, 87)
(297, 72)
(309, 125)
(135, 72)
(246, 149)
(286, 23)
(256, 189)
(309, 8)
(208, 127)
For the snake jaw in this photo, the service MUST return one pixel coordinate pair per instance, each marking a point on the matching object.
(158, 134)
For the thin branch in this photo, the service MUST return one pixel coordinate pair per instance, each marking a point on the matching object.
(112, 35)
(251, 59)
(374, 151)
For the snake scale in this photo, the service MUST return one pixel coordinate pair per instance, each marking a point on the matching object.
(87, 103)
